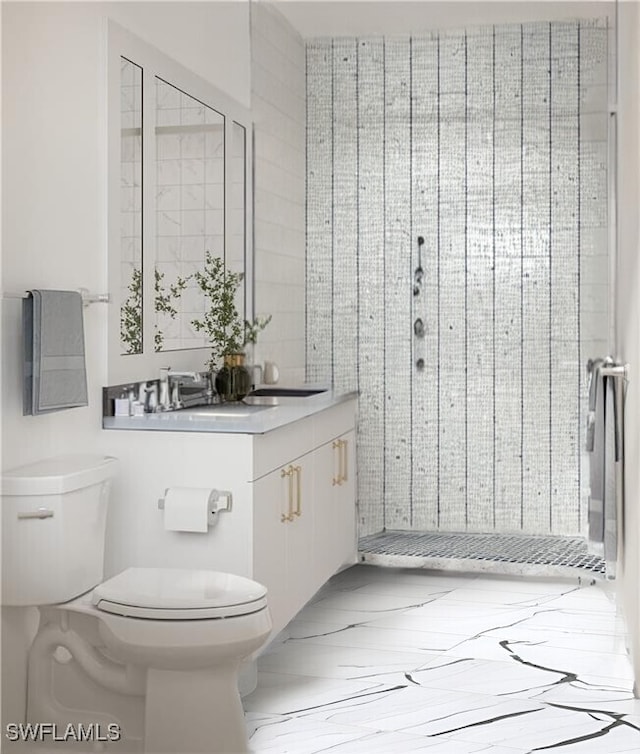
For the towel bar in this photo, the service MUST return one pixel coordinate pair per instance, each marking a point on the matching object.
(87, 297)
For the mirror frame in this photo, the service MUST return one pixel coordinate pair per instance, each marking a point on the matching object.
(154, 63)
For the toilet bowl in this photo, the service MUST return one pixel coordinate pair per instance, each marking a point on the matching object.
(152, 652)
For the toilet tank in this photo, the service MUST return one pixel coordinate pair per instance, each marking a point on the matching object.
(53, 528)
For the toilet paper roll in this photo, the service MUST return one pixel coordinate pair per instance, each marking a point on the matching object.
(187, 508)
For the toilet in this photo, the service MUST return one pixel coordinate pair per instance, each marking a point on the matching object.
(150, 657)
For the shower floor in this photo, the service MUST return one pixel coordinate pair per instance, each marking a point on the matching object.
(495, 553)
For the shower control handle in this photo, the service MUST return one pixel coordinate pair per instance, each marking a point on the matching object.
(620, 371)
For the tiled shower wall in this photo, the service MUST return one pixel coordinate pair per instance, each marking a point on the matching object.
(491, 144)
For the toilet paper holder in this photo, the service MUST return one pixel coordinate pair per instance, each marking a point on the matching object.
(215, 504)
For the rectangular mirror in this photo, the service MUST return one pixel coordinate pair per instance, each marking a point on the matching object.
(180, 171)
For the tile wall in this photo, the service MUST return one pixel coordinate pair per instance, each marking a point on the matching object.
(278, 108)
(491, 144)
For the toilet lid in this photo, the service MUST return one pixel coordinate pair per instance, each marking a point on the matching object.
(179, 594)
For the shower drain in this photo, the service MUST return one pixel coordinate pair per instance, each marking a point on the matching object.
(498, 553)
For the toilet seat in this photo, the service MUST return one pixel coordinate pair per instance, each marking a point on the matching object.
(179, 594)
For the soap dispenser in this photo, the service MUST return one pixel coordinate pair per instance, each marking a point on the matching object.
(121, 405)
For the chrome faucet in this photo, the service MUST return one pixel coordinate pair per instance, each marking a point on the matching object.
(170, 387)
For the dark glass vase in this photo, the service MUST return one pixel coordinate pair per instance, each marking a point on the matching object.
(233, 381)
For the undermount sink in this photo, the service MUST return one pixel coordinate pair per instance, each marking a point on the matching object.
(223, 410)
(287, 392)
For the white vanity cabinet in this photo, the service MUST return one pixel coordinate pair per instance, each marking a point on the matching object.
(292, 523)
(304, 516)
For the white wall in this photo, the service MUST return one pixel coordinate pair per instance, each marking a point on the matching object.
(54, 168)
(54, 179)
(278, 110)
(336, 18)
(628, 312)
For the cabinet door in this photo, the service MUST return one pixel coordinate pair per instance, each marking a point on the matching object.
(270, 512)
(299, 545)
(282, 538)
(345, 502)
(334, 506)
(325, 529)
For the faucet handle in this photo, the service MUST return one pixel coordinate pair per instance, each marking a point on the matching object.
(164, 398)
(176, 401)
(151, 404)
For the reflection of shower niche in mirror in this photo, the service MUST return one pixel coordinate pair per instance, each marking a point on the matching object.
(190, 210)
(130, 207)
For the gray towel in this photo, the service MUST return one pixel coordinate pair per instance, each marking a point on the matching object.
(612, 456)
(596, 448)
(55, 375)
(604, 443)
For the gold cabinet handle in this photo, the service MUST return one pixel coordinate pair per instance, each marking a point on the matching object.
(288, 473)
(337, 479)
(345, 461)
(298, 510)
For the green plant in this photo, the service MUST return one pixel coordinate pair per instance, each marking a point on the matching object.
(131, 315)
(252, 329)
(226, 331)
(131, 310)
(163, 299)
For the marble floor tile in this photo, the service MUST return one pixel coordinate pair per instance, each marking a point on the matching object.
(292, 735)
(508, 597)
(558, 728)
(458, 618)
(374, 637)
(556, 662)
(403, 588)
(348, 617)
(281, 734)
(369, 576)
(611, 644)
(590, 598)
(433, 713)
(526, 584)
(576, 622)
(593, 698)
(351, 663)
(289, 694)
(357, 601)
(385, 661)
(485, 676)
(383, 742)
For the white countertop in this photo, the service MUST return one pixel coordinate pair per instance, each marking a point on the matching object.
(256, 416)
